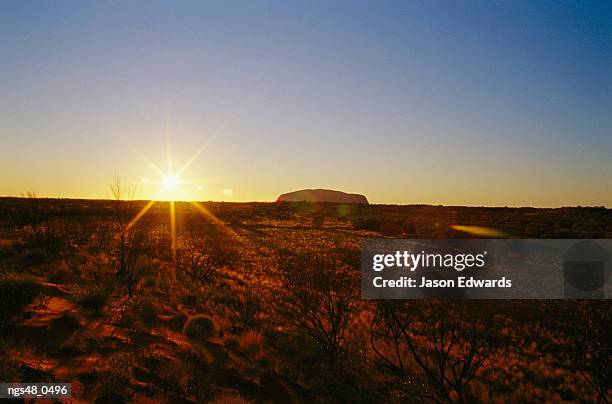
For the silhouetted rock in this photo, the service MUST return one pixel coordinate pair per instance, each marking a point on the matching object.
(322, 195)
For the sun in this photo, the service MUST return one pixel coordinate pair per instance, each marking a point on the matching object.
(170, 182)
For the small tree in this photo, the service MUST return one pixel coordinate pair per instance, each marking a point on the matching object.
(318, 299)
(202, 260)
(450, 345)
(592, 347)
(120, 195)
(132, 259)
(32, 216)
(130, 242)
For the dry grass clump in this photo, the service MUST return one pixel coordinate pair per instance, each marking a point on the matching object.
(145, 311)
(293, 288)
(64, 325)
(93, 298)
(16, 292)
(114, 380)
(189, 374)
(230, 398)
(251, 343)
(197, 365)
(245, 305)
(200, 328)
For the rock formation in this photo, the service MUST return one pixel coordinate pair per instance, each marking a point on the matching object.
(322, 195)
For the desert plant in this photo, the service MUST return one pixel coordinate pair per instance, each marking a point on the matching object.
(32, 216)
(245, 304)
(450, 346)
(36, 216)
(120, 194)
(230, 398)
(196, 364)
(93, 298)
(81, 236)
(251, 343)
(591, 352)
(318, 299)
(200, 328)
(137, 313)
(114, 380)
(201, 261)
(9, 365)
(101, 239)
(17, 292)
(132, 259)
(62, 327)
(144, 310)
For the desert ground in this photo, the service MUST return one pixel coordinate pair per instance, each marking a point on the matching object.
(259, 302)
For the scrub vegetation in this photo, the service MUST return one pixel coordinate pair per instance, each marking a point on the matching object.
(262, 305)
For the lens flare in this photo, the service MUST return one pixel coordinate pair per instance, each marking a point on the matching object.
(170, 183)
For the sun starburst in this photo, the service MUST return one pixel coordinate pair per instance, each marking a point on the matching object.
(170, 188)
(170, 182)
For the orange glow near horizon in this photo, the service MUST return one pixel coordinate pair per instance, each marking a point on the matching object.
(169, 183)
(140, 214)
(173, 230)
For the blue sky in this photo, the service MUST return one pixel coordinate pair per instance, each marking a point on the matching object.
(443, 102)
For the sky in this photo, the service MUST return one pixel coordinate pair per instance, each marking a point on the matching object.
(495, 103)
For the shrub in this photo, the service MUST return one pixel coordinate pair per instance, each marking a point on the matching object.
(318, 299)
(246, 304)
(145, 311)
(93, 299)
(230, 398)
(200, 328)
(16, 293)
(458, 341)
(197, 359)
(173, 377)
(9, 366)
(65, 325)
(196, 364)
(251, 343)
(114, 381)
(202, 262)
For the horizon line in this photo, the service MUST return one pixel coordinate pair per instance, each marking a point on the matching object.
(338, 203)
